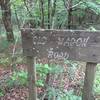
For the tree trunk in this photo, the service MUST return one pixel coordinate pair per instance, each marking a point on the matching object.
(42, 13)
(49, 13)
(53, 13)
(6, 17)
(69, 14)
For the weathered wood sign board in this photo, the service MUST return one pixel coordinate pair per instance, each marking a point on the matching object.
(62, 44)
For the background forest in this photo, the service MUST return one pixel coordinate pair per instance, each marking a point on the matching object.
(58, 80)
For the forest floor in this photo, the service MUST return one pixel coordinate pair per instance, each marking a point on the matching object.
(17, 92)
(13, 93)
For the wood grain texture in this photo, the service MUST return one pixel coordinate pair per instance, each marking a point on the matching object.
(31, 78)
(89, 81)
(62, 44)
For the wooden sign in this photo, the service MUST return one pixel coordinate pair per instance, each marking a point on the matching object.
(77, 45)
(62, 44)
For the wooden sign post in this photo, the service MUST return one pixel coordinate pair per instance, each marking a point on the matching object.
(88, 81)
(77, 45)
(31, 78)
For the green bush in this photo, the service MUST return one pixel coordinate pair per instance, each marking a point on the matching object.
(18, 78)
(1, 92)
(61, 95)
(97, 81)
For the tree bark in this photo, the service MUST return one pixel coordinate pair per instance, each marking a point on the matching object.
(53, 13)
(42, 13)
(49, 13)
(6, 17)
(69, 13)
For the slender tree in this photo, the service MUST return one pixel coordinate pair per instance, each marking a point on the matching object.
(42, 13)
(49, 13)
(68, 6)
(53, 13)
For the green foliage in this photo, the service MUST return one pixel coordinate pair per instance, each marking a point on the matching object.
(98, 1)
(56, 69)
(18, 78)
(1, 92)
(42, 71)
(69, 96)
(40, 83)
(61, 95)
(97, 81)
(89, 5)
(93, 6)
(4, 61)
(3, 44)
(17, 2)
